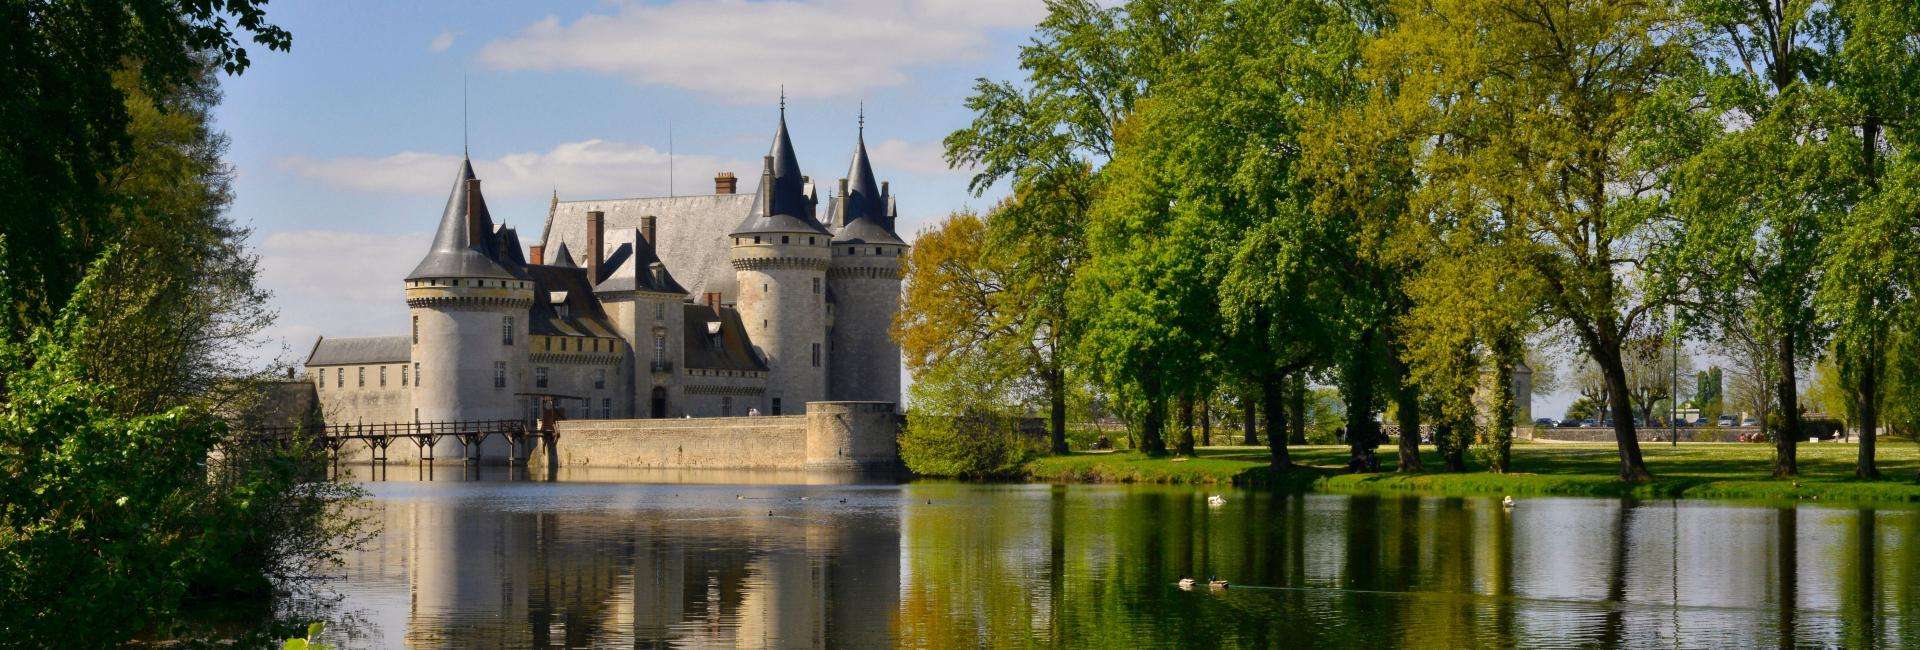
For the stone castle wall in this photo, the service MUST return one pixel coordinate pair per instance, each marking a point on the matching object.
(832, 435)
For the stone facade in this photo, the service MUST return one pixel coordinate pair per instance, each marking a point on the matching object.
(830, 436)
(709, 306)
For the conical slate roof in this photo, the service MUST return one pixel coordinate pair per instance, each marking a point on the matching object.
(462, 244)
(863, 211)
(782, 204)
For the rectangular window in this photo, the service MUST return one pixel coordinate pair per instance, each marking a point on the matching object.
(659, 311)
(339, 377)
(403, 375)
(540, 377)
(599, 378)
(547, 343)
(360, 377)
(416, 330)
(726, 406)
(816, 286)
(383, 376)
(776, 406)
(416, 375)
(506, 330)
(659, 348)
(606, 408)
(499, 374)
(816, 355)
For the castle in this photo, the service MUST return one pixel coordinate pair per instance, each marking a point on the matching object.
(714, 305)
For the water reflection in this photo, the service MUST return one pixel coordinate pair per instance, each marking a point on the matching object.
(601, 562)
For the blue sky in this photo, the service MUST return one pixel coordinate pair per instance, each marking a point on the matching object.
(345, 147)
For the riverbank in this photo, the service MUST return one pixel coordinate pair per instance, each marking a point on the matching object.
(1697, 470)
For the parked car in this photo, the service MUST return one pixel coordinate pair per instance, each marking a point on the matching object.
(1589, 423)
(1570, 423)
(1543, 422)
(1726, 420)
(1749, 422)
(1700, 422)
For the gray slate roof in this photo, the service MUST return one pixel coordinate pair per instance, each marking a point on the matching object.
(631, 266)
(727, 350)
(360, 351)
(463, 245)
(690, 233)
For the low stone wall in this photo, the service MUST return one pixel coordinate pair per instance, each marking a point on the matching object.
(1645, 434)
(832, 435)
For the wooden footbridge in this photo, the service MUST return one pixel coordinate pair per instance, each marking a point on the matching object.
(337, 439)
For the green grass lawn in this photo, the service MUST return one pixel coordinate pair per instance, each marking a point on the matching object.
(1696, 470)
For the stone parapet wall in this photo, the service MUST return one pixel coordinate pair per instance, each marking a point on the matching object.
(832, 435)
(1645, 434)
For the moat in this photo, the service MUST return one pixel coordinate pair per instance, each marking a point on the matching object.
(698, 559)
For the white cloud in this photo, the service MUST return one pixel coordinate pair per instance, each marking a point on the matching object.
(744, 51)
(590, 168)
(896, 156)
(442, 42)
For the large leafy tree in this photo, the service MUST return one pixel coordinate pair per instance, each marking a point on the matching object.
(1561, 88)
(1047, 137)
(1762, 186)
(1869, 283)
(64, 123)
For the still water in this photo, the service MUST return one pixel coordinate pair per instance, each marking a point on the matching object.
(624, 559)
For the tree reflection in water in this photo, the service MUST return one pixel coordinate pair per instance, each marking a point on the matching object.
(590, 563)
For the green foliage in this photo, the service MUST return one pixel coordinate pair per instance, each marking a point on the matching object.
(64, 124)
(956, 426)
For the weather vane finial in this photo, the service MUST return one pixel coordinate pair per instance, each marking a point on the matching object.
(464, 152)
(783, 98)
(863, 117)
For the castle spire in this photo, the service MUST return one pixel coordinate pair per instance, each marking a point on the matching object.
(462, 244)
(782, 204)
(863, 211)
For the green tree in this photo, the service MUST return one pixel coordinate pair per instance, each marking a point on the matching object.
(1558, 90)
(66, 124)
(1870, 284)
(1753, 234)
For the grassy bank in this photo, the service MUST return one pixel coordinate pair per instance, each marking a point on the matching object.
(1699, 470)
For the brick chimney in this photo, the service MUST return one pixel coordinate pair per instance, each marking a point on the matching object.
(648, 225)
(725, 183)
(537, 254)
(883, 188)
(596, 238)
(713, 301)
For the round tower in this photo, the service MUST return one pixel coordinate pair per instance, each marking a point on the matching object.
(864, 280)
(468, 322)
(780, 255)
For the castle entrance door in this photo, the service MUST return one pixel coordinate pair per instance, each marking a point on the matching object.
(659, 402)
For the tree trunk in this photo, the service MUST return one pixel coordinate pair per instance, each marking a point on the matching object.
(1363, 435)
(1151, 439)
(1206, 421)
(1633, 467)
(1184, 444)
(1406, 411)
(1501, 438)
(1297, 409)
(1276, 422)
(1249, 421)
(1866, 399)
(1786, 437)
(1057, 410)
(1867, 390)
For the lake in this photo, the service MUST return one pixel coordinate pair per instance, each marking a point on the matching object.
(699, 559)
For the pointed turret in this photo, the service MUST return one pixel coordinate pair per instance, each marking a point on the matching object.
(462, 246)
(862, 213)
(782, 204)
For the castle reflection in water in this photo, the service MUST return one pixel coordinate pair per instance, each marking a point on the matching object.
(694, 566)
(628, 559)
